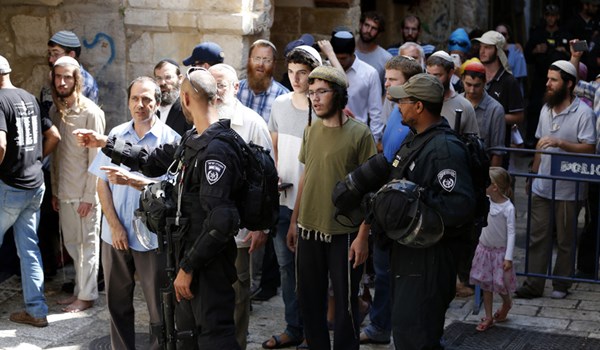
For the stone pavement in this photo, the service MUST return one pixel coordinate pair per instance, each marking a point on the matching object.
(577, 314)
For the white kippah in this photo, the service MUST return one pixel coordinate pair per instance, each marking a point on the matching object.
(566, 67)
(311, 51)
(443, 54)
(66, 60)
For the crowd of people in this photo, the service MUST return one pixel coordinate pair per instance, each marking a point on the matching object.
(345, 105)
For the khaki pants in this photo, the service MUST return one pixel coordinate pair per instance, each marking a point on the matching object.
(540, 249)
(81, 237)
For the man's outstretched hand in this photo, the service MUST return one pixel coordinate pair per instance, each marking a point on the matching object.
(90, 138)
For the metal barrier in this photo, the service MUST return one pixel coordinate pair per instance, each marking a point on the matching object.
(583, 169)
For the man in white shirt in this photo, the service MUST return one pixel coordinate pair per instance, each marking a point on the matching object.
(251, 127)
(364, 90)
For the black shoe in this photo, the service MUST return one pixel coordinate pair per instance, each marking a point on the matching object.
(264, 294)
(525, 293)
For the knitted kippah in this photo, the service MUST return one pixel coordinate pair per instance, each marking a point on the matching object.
(66, 38)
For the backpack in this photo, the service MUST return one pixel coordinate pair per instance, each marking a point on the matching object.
(258, 200)
(479, 164)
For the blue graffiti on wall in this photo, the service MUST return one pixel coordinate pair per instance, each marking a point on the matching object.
(99, 36)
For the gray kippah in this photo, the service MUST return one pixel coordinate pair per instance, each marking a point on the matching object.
(66, 38)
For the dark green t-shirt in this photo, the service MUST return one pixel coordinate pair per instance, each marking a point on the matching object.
(328, 155)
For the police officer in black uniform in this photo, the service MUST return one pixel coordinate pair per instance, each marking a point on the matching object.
(424, 278)
(208, 177)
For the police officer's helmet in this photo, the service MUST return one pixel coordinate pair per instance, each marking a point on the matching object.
(404, 217)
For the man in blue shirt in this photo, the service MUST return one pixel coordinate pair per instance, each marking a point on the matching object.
(397, 71)
(124, 251)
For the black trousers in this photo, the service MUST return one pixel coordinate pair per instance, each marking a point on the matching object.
(586, 252)
(317, 262)
(423, 285)
(209, 315)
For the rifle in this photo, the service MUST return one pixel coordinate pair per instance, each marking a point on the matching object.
(457, 120)
(167, 336)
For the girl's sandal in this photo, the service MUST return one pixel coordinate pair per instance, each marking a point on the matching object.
(485, 324)
(501, 314)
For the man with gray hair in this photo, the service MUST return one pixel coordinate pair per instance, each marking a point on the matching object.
(566, 125)
(73, 188)
(168, 76)
(252, 128)
(413, 50)
(22, 187)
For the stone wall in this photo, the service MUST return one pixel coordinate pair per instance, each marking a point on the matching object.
(439, 18)
(99, 25)
(124, 39)
(290, 22)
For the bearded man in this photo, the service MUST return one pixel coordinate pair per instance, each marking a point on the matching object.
(73, 188)
(371, 25)
(566, 125)
(169, 78)
(259, 90)
(251, 127)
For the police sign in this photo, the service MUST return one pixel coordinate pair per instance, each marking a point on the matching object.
(575, 167)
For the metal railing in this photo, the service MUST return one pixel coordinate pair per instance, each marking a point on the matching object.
(583, 169)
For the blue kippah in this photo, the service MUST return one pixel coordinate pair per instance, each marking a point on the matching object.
(66, 38)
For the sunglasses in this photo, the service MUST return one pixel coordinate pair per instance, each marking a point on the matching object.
(191, 70)
(459, 43)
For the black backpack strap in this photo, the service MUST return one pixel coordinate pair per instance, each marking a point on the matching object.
(409, 150)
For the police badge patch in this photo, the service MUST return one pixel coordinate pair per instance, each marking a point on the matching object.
(214, 169)
(447, 179)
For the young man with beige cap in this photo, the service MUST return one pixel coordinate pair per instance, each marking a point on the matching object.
(566, 125)
(332, 146)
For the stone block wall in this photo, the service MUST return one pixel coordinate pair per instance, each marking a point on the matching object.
(99, 26)
(123, 39)
(439, 18)
(290, 22)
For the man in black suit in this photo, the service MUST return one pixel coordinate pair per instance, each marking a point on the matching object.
(169, 77)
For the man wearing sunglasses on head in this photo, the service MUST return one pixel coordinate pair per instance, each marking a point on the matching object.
(208, 176)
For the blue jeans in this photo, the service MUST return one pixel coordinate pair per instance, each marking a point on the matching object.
(380, 327)
(287, 271)
(21, 209)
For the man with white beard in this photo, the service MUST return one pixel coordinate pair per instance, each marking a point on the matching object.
(169, 78)
(251, 127)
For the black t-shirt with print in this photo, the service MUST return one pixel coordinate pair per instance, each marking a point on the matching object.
(21, 120)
